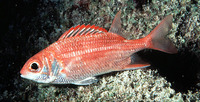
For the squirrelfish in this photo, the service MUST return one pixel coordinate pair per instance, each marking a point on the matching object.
(84, 52)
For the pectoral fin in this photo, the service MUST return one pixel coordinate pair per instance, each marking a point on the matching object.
(86, 81)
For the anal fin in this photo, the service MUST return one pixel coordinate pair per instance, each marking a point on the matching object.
(86, 81)
(136, 66)
(136, 63)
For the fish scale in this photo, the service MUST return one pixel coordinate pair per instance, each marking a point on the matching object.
(95, 67)
(78, 46)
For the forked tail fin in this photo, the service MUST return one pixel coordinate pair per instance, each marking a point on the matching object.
(157, 38)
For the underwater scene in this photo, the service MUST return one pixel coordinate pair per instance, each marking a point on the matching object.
(129, 50)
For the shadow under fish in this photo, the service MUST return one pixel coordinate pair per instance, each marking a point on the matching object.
(180, 69)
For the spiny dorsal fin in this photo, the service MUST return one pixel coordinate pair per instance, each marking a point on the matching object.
(82, 30)
(116, 25)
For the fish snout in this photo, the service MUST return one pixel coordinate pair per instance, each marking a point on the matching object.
(23, 72)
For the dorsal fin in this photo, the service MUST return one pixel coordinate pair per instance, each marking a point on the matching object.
(82, 30)
(116, 25)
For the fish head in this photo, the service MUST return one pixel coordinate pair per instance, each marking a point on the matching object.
(34, 69)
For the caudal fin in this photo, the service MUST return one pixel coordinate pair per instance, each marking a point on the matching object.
(157, 37)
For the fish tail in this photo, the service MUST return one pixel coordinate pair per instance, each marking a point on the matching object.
(157, 38)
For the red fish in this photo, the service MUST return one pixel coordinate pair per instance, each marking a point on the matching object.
(84, 52)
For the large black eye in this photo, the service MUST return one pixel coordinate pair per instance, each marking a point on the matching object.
(34, 66)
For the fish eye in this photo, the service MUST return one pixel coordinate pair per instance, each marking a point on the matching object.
(34, 66)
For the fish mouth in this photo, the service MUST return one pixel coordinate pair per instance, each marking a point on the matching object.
(22, 76)
(30, 77)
